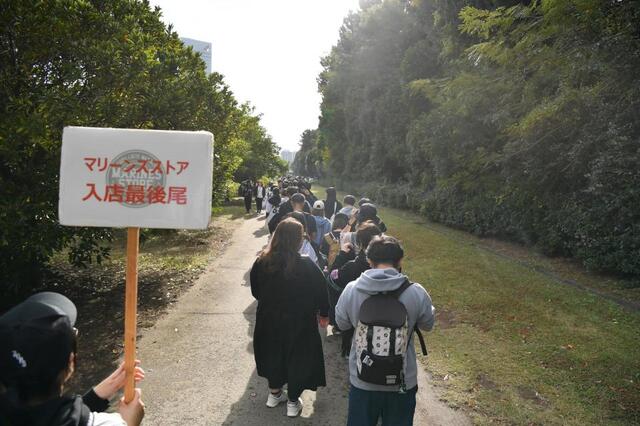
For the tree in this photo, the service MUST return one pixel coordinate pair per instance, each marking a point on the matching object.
(91, 63)
(507, 118)
(308, 160)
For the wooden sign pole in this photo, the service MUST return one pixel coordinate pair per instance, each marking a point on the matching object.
(131, 312)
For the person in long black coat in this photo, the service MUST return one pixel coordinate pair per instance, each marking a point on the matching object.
(291, 293)
(247, 193)
(331, 204)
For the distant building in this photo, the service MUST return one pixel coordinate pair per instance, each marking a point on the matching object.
(288, 156)
(203, 48)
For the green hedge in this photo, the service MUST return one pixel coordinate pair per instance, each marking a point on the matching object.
(586, 229)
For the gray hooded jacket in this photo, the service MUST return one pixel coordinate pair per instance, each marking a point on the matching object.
(415, 299)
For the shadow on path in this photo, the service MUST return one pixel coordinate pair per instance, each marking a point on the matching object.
(246, 279)
(261, 232)
(328, 406)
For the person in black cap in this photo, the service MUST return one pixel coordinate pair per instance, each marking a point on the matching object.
(38, 349)
(368, 211)
(364, 200)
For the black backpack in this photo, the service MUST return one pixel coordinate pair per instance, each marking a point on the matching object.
(382, 339)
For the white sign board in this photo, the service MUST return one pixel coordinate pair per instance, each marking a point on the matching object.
(135, 178)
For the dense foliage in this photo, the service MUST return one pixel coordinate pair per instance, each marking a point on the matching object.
(309, 159)
(104, 64)
(506, 118)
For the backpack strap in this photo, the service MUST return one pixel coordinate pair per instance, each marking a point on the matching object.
(423, 346)
(333, 284)
(370, 339)
(396, 293)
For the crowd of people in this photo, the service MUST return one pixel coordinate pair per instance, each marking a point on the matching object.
(328, 264)
(332, 263)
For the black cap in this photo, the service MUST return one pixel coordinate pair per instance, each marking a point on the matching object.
(363, 201)
(298, 198)
(368, 211)
(36, 337)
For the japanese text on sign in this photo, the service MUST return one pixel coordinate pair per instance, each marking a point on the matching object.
(125, 177)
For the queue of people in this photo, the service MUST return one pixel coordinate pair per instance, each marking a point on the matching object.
(332, 264)
(327, 264)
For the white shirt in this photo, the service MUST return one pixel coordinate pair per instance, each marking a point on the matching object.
(307, 250)
(106, 419)
(348, 210)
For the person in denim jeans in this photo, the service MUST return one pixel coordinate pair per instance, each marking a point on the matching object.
(370, 402)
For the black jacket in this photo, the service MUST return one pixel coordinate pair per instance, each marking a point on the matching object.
(275, 200)
(62, 411)
(331, 208)
(286, 342)
(349, 267)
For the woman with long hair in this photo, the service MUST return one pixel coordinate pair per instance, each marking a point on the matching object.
(308, 247)
(291, 293)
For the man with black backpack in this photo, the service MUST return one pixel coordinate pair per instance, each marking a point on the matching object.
(386, 310)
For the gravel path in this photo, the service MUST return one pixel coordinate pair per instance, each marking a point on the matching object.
(199, 357)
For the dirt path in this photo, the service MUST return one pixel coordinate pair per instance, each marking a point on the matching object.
(199, 357)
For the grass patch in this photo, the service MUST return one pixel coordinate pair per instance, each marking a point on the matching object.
(234, 210)
(515, 346)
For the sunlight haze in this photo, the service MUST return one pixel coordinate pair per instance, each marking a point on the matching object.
(268, 51)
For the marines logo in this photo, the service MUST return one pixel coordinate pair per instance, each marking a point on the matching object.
(136, 169)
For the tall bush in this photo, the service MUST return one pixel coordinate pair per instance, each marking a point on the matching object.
(506, 118)
(92, 63)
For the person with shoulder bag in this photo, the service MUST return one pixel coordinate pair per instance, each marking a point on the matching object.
(331, 204)
(330, 244)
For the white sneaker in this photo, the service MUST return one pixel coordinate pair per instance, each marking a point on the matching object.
(274, 401)
(294, 409)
